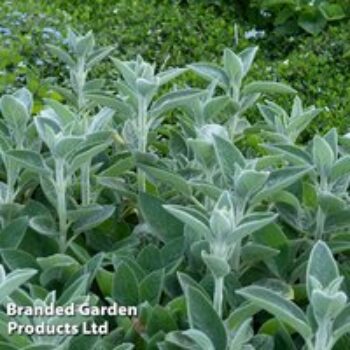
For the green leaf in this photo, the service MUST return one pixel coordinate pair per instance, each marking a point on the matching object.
(330, 203)
(160, 319)
(66, 146)
(122, 108)
(183, 215)
(13, 281)
(227, 155)
(84, 44)
(240, 314)
(268, 87)
(87, 218)
(214, 106)
(18, 259)
(191, 339)
(249, 182)
(283, 309)
(211, 72)
(165, 226)
(321, 266)
(125, 286)
(312, 21)
(250, 225)
(125, 70)
(327, 307)
(175, 99)
(332, 12)
(217, 266)
(340, 168)
(151, 286)
(29, 160)
(342, 323)
(125, 346)
(170, 74)
(300, 122)
(247, 56)
(65, 115)
(242, 336)
(150, 258)
(85, 157)
(14, 112)
(12, 235)
(294, 154)
(62, 55)
(78, 288)
(44, 224)
(203, 317)
(98, 55)
(176, 181)
(253, 252)
(323, 155)
(56, 260)
(120, 167)
(279, 180)
(187, 281)
(233, 65)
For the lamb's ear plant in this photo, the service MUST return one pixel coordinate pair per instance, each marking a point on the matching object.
(328, 185)
(283, 127)
(57, 172)
(17, 132)
(10, 282)
(137, 103)
(230, 78)
(224, 232)
(325, 320)
(80, 58)
(216, 334)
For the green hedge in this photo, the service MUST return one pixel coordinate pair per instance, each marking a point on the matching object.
(175, 33)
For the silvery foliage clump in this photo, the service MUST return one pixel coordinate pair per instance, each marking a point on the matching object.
(80, 58)
(223, 232)
(215, 334)
(234, 215)
(326, 318)
(11, 282)
(284, 127)
(230, 78)
(326, 190)
(69, 151)
(17, 132)
(138, 104)
(227, 219)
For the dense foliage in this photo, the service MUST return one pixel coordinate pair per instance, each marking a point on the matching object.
(202, 188)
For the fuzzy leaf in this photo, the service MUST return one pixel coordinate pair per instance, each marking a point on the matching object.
(321, 266)
(125, 286)
(203, 317)
(280, 307)
(268, 87)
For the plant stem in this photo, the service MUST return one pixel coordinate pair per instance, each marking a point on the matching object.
(142, 141)
(85, 184)
(237, 255)
(218, 294)
(320, 221)
(322, 337)
(61, 204)
(239, 214)
(11, 180)
(80, 79)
